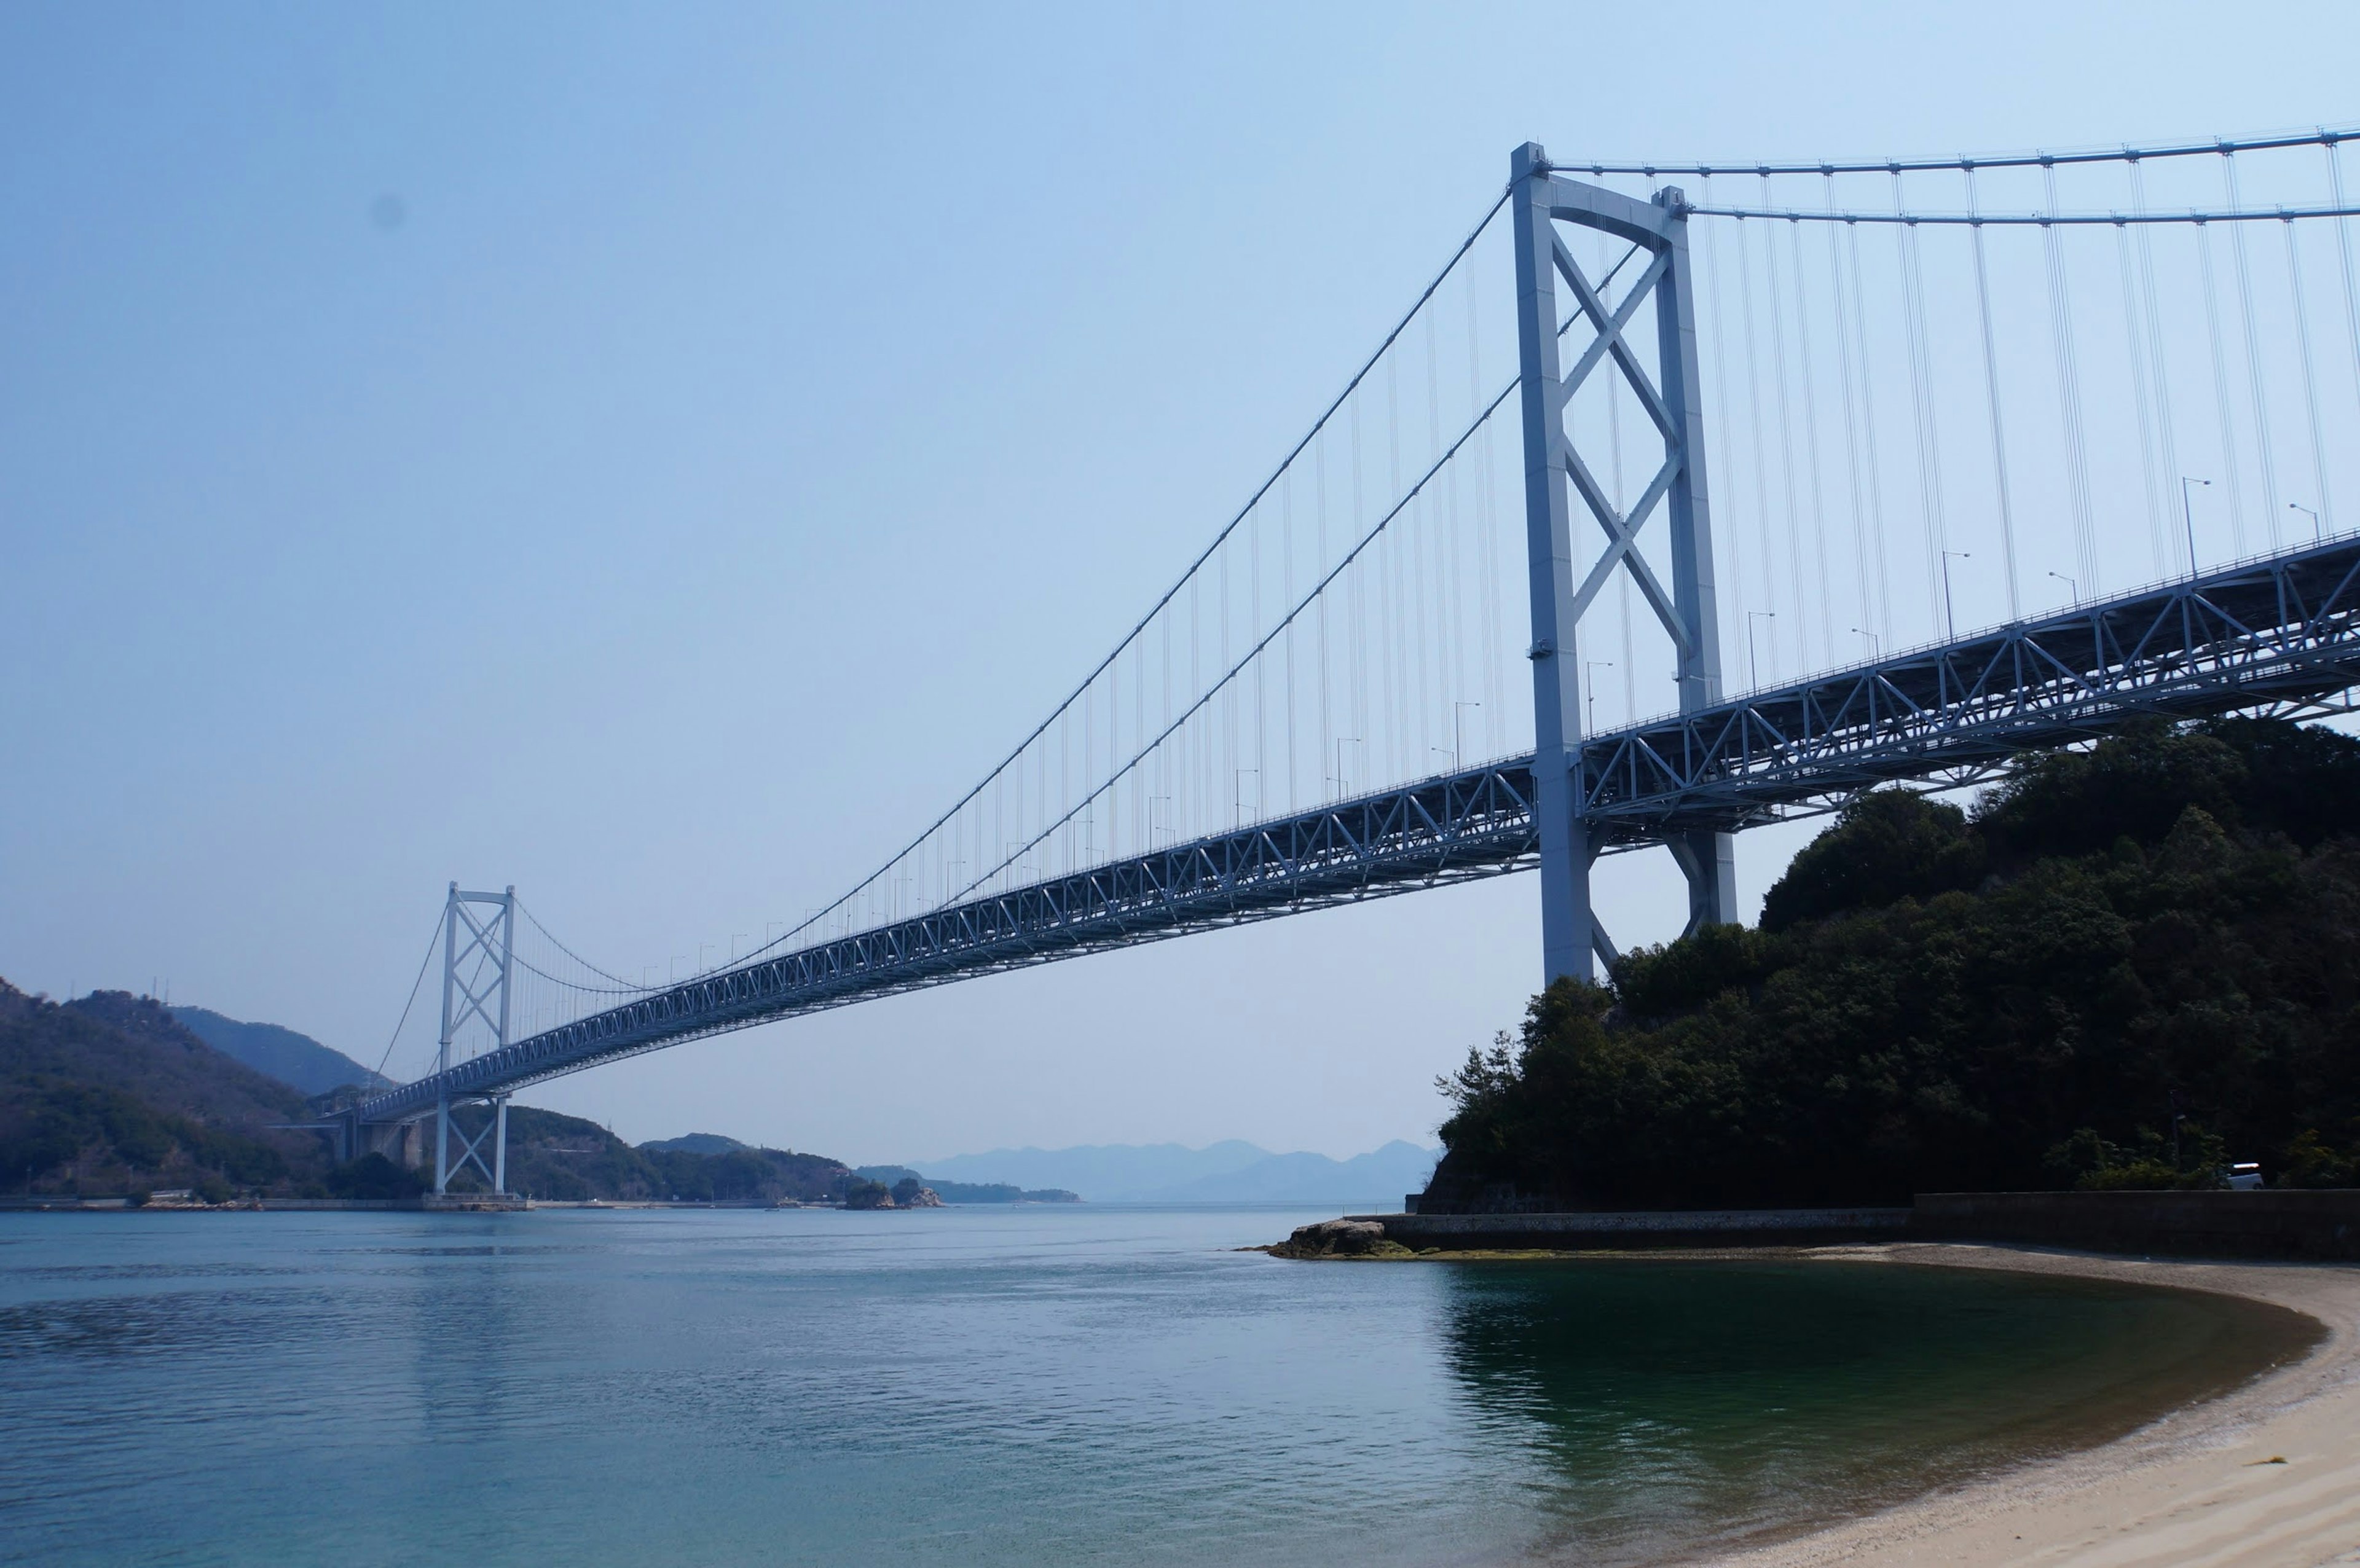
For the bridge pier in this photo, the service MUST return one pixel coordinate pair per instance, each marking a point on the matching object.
(490, 1139)
(1554, 473)
(1708, 861)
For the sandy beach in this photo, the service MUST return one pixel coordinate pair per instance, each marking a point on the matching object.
(2266, 1475)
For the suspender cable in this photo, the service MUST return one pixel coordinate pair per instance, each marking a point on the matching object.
(1391, 655)
(1287, 597)
(1850, 418)
(2229, 464)
(2343, 247)
(1826, 618)
(1228, 706)
(2310, 379)
(1199, 784)
(1868, 434)
(1486, 542)
(893, 866)
(1382, 526)
(1495, 707)
(1761, 462)
(1327, 717)
(1262, 675)
(2166, 436)
(1728, 535)
(2253, 378)
(1785, 443)
(1929, 443)
(2068, 398)
(1443, 522)
(1998, 428)
(1360, 609)
(1429, 570)
(2135, 341)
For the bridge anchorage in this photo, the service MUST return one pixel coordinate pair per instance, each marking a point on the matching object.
(1226, 762)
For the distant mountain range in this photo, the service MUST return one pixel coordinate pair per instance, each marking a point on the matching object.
(1229, 1171)
(291, 1058)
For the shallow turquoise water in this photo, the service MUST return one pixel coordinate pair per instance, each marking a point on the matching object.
(1031, 1384)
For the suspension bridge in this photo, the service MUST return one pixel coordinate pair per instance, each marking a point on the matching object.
(2026, 394)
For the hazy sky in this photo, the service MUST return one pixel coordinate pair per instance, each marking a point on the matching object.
(655, 456)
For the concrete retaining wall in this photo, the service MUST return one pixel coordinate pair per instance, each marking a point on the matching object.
(2279, 1224)
(1671, 1227)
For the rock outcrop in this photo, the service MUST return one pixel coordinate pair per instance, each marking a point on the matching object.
(1340, 1239)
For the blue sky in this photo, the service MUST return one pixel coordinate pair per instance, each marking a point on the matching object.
(657, 455)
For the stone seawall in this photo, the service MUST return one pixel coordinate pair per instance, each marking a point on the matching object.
(2319, 1225)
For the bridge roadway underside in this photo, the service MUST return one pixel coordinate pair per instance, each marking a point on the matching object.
(2279, 634)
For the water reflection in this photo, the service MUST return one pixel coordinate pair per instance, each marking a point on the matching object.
(1670, 1398)
(1078, 1385)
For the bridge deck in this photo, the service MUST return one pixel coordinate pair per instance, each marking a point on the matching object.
(2281, 630)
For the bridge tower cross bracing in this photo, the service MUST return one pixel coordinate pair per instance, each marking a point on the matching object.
(478, 966)
(1556, 472)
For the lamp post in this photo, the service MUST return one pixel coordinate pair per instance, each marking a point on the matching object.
(2317, 528)
(2072, 586)
(1589, 687)
(1950, 609)
(1341, 782)
(2188, 517)
(1875, 643)
(1753, 653)
(1457, 732)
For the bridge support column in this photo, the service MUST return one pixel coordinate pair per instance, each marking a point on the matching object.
(476, 985)
(486, 1148)
(1571, 833)
(499, 1143)
(1708, 861)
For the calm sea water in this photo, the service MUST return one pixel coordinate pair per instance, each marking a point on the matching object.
(1031, 1385)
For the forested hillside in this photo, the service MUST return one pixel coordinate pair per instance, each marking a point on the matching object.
(557, 1157)
(111, 1095)
(2125, 967)
(108, 1095)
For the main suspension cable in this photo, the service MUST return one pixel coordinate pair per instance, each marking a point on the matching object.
(424, 965)
(2321, 136)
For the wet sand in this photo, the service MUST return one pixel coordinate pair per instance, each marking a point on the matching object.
(2269, 1474)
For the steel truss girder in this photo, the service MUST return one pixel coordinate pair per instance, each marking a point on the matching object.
(1472, 822)
(2281, 630)
(2282, 634)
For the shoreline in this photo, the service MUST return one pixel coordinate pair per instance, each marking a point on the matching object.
(2266, 1474)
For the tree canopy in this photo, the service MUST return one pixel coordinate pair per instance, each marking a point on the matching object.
(2125, 966)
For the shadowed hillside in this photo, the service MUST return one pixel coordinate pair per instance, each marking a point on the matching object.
(2125, 967)
(292, 1058)
(109, 1094)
